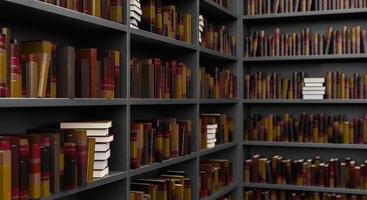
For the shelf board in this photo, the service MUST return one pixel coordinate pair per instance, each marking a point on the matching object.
(302, 101)
(48, 13)
(156, 40)
(165, 163)
(305, 188)
(329, 57)
(113, 176)
(212, 54)
(221, 192)
(305, 145)
(220, 147)
(214, 9)
(218, 101)
(59, 102)
(306, 15)
(149, 101)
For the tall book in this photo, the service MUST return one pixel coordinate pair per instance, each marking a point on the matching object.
(91, 56)
(66, 72)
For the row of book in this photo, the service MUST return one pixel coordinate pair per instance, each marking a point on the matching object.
(45, 161)
(42, 69)
(106, 9)
(217, 37)
(173, 184)
(348, 40)
(166, 20)
(259, 194)
(316, 128)
(259, 7)
(334, 85)
(219, 84)
(215, 128)
(334, 173)
(154, 78)
(157, 140)
(214, 175)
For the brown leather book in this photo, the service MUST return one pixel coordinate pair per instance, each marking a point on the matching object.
(66, 72)
(82, 77)
(91, 56)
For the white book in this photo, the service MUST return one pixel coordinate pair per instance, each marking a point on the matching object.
(100, 164)
(201, 18)
(313, 88)
(133, 26)
(212, 126)
(97, 132)
(134, 22)
(136, 9)
(210, 136)
(135, 3)
(101, 146)
(314, 80)
(313, 96)
(211, 145)
(201, 29)
(86, 125)
(314, 84)
(313, 92)
(105, 139)
(134, 15)
(214, 140)
(211, 130)
(100, 173)
(102, 155)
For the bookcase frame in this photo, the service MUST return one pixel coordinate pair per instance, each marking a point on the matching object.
(350, 107)
(68, 24)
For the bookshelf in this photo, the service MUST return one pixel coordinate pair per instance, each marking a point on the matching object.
(315, 65)
(39, 20)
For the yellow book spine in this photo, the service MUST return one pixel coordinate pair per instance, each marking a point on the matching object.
(346, 133)
(187, 28)
(5, 175)
(43, 75)
(45, 188)
(97, 8)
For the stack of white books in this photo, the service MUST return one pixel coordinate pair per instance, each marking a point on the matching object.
(314, 88)
(135, 13)
(102, 150)
(201, 27)
(211, 132)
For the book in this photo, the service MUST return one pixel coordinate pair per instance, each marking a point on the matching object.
(91, 144)
(314, 80)
(86, 125)
(100, 164)
(313, 96)
(101, 146)
(97, 132)
(314, 92)
(100, 173)
(220, 84)
(5, 169)
(105, 139)
(102, 155)
(66, 72)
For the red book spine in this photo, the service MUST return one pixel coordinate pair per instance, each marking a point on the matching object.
(70, 176)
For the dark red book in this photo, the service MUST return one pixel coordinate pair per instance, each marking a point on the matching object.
(70, 170)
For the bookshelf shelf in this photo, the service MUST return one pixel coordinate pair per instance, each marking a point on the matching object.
(208, 6)
(212, 54)
(301, 101)
(305, 145)
(34, 10)
(156, 40)
(323, 58)
(218, 101)
(58, 102)
(220, 147)
(305, 188)
(165, 163)
(342, 13)
(136, 101)
(113, 176)
(221, 192)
